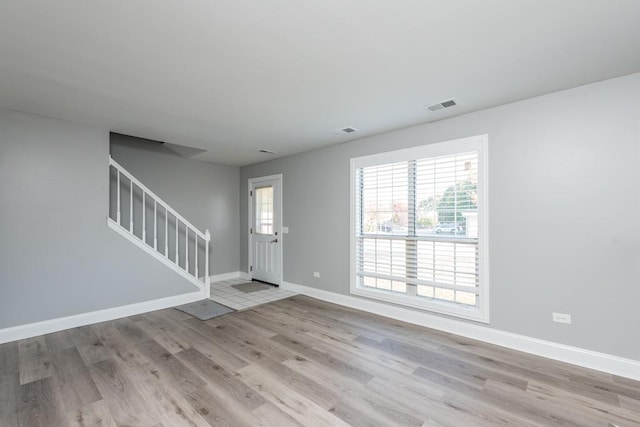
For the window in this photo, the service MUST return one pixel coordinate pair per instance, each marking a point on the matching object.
(264, 210)
(419, 227)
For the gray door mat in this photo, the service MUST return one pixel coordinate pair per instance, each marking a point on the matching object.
(205, 309)
(251, 287)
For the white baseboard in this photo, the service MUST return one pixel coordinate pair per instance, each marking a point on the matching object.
(230, 276)
(577, 356)
(48, 326)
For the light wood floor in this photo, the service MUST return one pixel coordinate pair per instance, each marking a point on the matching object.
(297, 361)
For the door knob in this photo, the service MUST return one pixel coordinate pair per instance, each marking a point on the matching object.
(274, 241)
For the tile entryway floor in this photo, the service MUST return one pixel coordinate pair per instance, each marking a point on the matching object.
(224, 293)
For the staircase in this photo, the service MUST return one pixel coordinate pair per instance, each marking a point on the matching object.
(138, 214)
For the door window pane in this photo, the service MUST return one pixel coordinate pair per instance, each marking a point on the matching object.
(264, 210)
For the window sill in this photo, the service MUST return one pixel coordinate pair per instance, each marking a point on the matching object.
(450, 309)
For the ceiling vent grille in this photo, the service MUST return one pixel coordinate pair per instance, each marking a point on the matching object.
(349, 129)
(441, 105)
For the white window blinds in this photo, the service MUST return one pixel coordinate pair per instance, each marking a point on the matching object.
(416, 228)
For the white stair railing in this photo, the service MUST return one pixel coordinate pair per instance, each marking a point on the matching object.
(138, 214)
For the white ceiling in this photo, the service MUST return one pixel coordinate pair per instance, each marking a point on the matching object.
(234, 76)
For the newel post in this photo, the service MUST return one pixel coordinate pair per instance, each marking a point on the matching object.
(207, 279)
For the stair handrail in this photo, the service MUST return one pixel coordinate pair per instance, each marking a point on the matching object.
(146, 192)
(153, 195)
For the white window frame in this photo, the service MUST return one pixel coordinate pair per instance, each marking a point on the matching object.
(478, 143)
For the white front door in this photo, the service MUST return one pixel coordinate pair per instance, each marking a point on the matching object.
(265, 236)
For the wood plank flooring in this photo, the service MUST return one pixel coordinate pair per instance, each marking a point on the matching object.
(294, 362)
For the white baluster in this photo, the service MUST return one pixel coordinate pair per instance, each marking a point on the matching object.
(196, 261)
(166, 232)
(186, 248)
(118, 195)
(131, 208)
(177, 251)
(144, 217)
(207, 279)
(155, 224)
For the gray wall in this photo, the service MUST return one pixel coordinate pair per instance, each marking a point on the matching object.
(57, 255)
(205, 194)
(564, 194)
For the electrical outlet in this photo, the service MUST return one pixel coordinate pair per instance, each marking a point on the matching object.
(562, 318)
(316, 274)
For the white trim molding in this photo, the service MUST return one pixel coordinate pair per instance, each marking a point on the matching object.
(230, 276)
(30, 330)
(616, 365)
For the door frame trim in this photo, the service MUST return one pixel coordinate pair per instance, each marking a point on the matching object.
(250, 183)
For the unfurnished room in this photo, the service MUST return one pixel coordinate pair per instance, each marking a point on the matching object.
(319, 213)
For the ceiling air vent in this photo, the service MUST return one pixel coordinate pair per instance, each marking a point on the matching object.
(441, 105)
(349, 130)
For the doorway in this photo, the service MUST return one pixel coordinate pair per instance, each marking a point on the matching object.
(265, 229)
